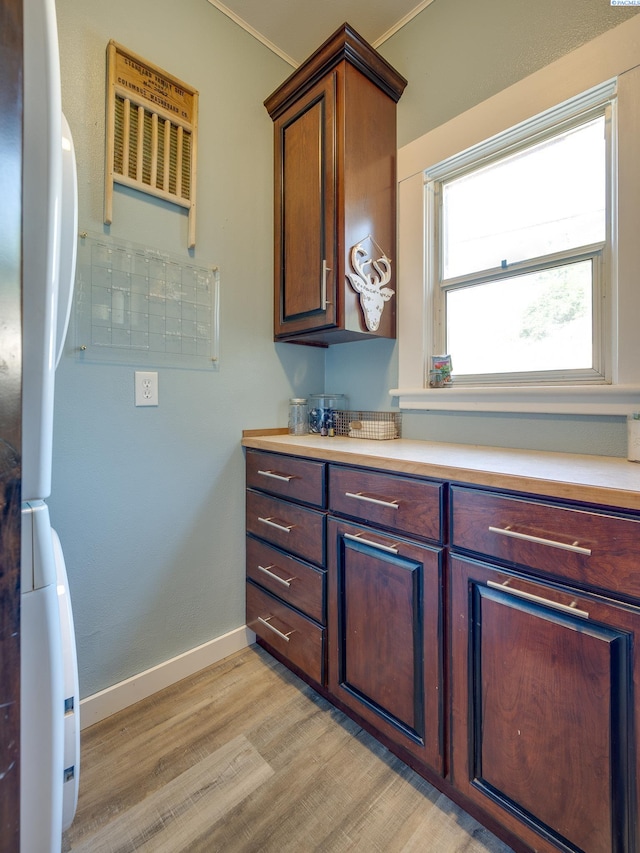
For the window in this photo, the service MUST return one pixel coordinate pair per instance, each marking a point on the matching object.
(520, 246)
(538, 302)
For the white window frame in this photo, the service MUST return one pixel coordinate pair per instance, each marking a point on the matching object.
(612, 56)
(598, 102)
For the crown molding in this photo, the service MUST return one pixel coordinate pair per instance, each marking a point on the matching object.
(253, 32)
(288, 59)
(401, 23)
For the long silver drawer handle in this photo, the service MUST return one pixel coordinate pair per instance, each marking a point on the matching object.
(267, 624)
(284, 477)
(357, 537)
(265, 569)
(281, 527)
(360, 497)
(564, 546)
(529, 596)
(323, 284)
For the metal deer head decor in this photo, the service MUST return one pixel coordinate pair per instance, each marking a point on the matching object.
(369, 280)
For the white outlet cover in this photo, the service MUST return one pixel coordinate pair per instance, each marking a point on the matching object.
(146, 388)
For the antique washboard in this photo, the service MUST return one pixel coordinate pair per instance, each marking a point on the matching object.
(152, 130)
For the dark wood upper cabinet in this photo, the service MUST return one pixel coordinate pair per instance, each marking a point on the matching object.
(335, 190)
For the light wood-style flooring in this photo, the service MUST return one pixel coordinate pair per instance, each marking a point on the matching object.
(243, 757)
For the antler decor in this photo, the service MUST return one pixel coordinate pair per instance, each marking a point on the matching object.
(371, 284)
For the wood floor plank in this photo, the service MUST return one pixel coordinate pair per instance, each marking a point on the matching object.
(447, 827)
(174, 816)
(167, 742)
(245, 758)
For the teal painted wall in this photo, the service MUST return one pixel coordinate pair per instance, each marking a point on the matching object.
(456, 54)
(149, 502)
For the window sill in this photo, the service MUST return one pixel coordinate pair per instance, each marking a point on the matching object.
(570, 400)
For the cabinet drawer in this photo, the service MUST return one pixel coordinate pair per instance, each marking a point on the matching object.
(293, 635)
(397, 503)
(293, 581)
(295, 528)
(287, 476)
(585, 547)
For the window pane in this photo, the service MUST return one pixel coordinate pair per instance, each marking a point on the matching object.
(545, 199)
(533, 322)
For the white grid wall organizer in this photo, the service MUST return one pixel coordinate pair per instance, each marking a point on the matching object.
(138, 305)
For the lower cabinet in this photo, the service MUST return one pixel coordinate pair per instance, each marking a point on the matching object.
(490, 638)
(385, 635)
(285, 567)
(543, 720)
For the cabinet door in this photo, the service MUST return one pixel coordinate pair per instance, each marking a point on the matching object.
(385, 646)
(542, 710)
(305, 268)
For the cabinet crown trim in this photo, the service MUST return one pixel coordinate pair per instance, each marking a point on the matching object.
(344, 44)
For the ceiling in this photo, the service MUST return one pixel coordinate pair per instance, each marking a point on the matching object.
(295, 28)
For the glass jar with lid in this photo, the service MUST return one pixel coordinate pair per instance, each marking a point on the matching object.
(321, 412)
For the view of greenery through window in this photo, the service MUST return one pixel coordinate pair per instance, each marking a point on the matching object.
(532, 322)
(521, 240)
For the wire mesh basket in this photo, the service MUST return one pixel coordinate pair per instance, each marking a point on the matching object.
(375, 425)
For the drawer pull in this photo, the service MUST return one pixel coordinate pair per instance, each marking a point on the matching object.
(275, 577)
(284, 477)
(537, 599)
(358, 537)
(284, 528)
(360, 497)
(564, 546)
(267, 624)
(323, 284)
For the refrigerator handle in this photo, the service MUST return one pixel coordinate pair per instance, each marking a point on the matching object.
(68, 238)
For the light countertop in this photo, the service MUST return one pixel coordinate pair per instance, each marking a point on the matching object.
(604, 480)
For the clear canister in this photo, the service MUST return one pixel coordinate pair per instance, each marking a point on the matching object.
(322, 408)
(298, 416)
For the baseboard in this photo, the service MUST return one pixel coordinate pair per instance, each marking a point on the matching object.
(101, 705)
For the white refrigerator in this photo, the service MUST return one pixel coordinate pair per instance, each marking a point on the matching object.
(49, 724)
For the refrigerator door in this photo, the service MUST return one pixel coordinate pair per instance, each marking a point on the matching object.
(41, 191)
(41, 690)
(48, 702)
(71, 746)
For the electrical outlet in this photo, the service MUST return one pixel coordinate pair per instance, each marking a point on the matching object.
(146, 387)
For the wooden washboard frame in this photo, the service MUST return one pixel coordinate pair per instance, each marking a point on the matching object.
(161, 160)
